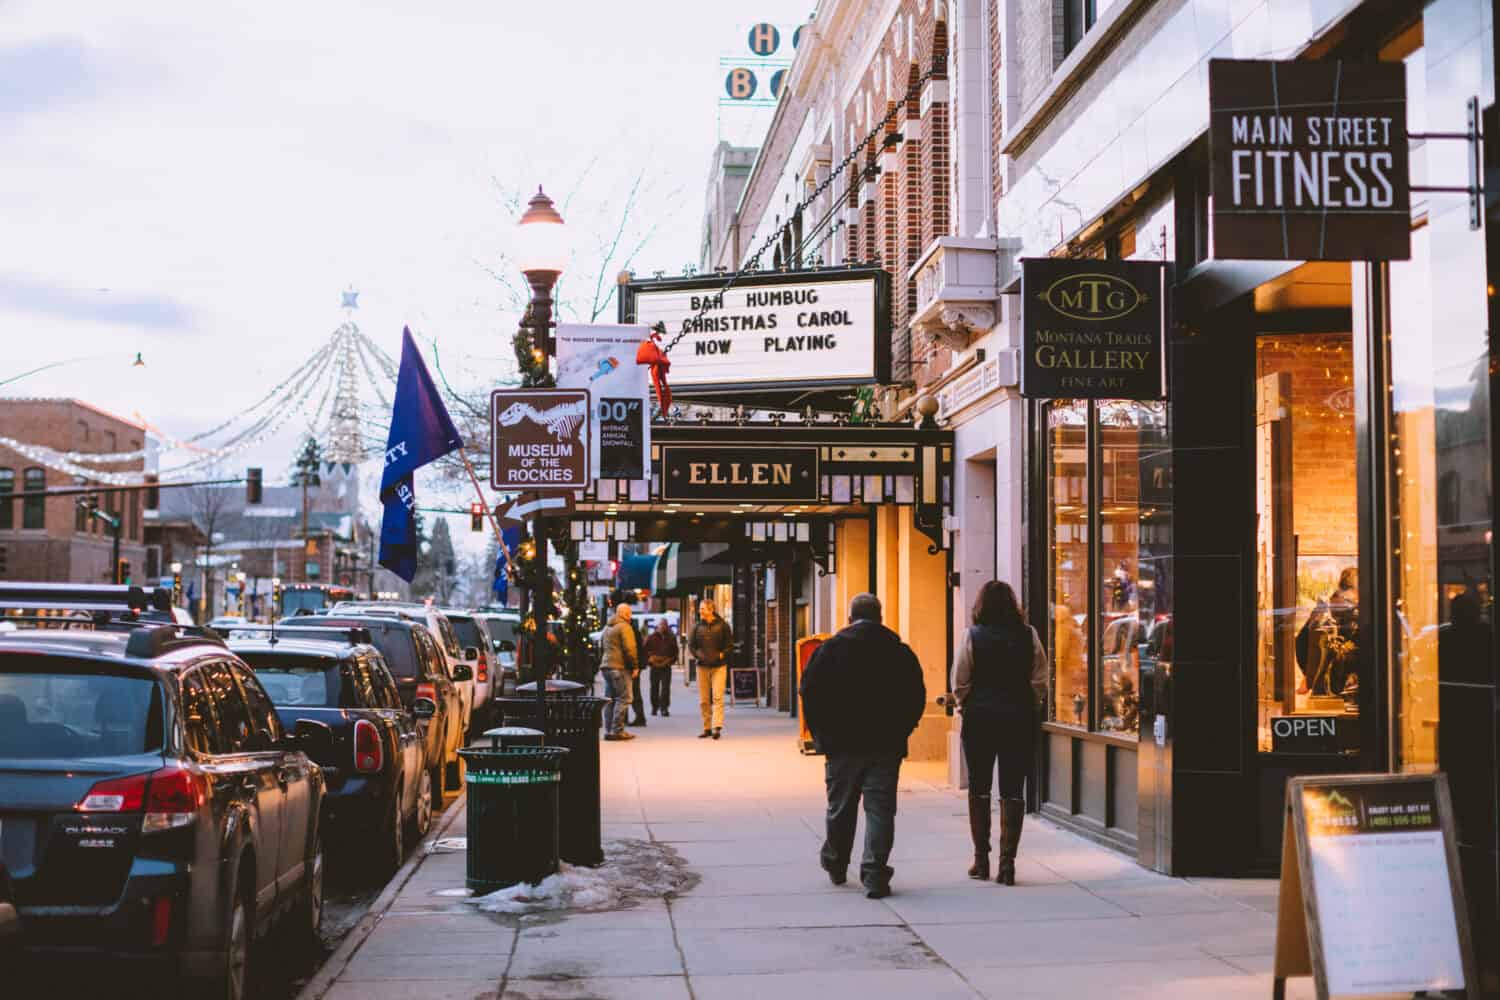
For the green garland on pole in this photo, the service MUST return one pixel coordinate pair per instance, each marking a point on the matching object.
(529, 358)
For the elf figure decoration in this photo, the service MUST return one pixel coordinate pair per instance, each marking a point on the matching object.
(650, 353)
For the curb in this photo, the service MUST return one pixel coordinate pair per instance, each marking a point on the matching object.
(323, 980)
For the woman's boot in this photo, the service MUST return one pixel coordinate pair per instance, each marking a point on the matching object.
(1012, 815)
(979, 830)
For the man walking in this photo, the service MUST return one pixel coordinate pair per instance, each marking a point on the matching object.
(661, 653)
(862, 695)
(618, 658)
(710, 646)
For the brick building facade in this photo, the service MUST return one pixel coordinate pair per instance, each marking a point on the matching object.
(53, 538)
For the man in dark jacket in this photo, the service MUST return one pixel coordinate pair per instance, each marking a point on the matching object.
(710, 644)
(862, 695)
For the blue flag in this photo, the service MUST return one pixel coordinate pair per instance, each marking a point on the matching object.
(421, 432)
(511, 537)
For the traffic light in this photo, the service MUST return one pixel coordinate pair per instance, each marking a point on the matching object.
(122, 571)
(252, 486)
(476, 517)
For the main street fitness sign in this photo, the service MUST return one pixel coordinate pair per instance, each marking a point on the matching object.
(1091, 329)
(802, 328)
(539, 439)
(1309, 160)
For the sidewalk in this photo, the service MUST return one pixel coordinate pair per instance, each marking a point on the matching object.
(763, 921)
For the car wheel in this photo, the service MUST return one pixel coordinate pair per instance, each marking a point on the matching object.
(231, 978)
(393, 850)
(435, 779)
(421, 818)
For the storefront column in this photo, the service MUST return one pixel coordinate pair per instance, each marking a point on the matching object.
(917, 613)
(887, 558)
(852, 569)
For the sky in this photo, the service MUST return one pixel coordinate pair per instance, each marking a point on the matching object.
(199, 182)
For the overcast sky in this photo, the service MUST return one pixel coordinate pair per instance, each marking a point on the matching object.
(199, 181)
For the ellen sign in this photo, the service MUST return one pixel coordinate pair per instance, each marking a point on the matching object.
(1309, 160)
(800, 328)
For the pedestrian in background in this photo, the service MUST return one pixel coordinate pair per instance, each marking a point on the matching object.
(862, 696)
(661, 654)
(999, 682)
(710, 645)
(618, 658)
(637, 702)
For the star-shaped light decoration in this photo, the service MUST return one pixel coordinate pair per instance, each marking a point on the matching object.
(351, 299)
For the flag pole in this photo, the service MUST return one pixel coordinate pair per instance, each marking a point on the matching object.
(489, 513)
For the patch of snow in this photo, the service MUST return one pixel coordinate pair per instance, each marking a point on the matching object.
(448, 845)
(632, 870)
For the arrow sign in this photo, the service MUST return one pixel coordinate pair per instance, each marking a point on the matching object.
(533, 504)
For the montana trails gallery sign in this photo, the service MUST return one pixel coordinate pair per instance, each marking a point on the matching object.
(1091, 329)
(828, 327)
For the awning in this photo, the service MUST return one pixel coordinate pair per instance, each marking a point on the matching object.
(682, 569)
(637, 572)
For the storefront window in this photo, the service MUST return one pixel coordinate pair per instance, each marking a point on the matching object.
(1306, 535)
(1068, 587)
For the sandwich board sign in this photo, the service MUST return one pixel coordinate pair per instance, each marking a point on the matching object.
(1371, 900)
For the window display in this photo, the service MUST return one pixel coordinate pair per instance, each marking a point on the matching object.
(1068, 529)
(1307, 507)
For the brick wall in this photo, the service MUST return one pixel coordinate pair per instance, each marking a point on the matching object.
(1324, 487)
(1034, 50)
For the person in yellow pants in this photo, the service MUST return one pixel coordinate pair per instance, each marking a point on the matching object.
(710, 645)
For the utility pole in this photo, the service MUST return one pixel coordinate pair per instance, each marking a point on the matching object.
(307, 475)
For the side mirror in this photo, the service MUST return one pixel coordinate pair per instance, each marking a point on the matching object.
(463, 672)
(314, 739)
(424, 708)
(471, 653)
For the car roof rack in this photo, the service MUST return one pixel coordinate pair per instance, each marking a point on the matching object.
(149, 640)
(85, 597)
(353, 635)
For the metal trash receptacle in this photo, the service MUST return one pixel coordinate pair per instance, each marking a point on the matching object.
(572, 721)
(556, 688)
(512, 809)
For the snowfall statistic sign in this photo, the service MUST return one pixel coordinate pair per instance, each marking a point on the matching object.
(539, 439)
(601, 359)
(1309, 160)
(805, 328)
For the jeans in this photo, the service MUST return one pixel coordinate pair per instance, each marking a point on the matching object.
(661, 688)
(617, 690)
(711, 695)
(1006, 736)
(850, 777)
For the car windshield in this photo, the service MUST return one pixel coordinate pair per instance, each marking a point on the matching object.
(296, 681)
(468, 632)
(394, 642)
(57, 713)
(502, 630)
(293, 601)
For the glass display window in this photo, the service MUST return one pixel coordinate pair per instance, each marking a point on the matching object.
(1109, 527)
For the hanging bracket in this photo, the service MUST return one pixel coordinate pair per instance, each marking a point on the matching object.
(1475, 189)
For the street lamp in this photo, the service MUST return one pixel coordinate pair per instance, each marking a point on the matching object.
(176, 569)
(240, 579)
(275, 597)
(542, 252)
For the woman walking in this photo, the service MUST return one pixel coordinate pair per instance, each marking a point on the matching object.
(999, 682)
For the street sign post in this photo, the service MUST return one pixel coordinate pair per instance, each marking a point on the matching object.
(539, 439)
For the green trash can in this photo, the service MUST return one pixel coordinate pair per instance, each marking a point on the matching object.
(512, 810)
(571, 721)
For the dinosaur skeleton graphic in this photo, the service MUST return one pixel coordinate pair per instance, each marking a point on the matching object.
(561, 420)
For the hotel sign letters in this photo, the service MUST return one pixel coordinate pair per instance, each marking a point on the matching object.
(716, 474)
(1091, 329)
(1309, 160)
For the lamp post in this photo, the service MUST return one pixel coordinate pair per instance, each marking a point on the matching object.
(542, 253)
(176, 568)
(239, 578)
(275, 598)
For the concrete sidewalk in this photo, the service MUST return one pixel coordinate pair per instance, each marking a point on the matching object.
(745, 813)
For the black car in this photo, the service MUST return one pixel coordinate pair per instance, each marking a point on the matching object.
(420, 671)
(379, 788)
(155, 809)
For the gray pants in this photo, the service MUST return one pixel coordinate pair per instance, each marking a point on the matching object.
(617, 690)
(849, 778)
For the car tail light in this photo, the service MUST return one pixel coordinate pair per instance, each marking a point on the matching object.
(170, 797)
(368, 753)
(484, 669)
(427, 691)
(161, 921)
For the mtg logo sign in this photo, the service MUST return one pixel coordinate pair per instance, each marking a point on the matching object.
(1091, 329)
(708, 473)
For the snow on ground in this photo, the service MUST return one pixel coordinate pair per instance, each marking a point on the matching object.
(633, 870)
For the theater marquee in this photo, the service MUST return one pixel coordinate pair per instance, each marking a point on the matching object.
(813, 329)
(1309, 160)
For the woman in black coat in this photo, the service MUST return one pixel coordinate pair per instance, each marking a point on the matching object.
(1000, 684)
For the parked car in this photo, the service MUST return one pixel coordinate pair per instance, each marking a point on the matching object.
(156, 809)
(421, 671)
(224, 623)
(474, 637)
(442, 630)
(379, 787)
(503, 627)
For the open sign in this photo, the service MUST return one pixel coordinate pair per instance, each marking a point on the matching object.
(1308, 733)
